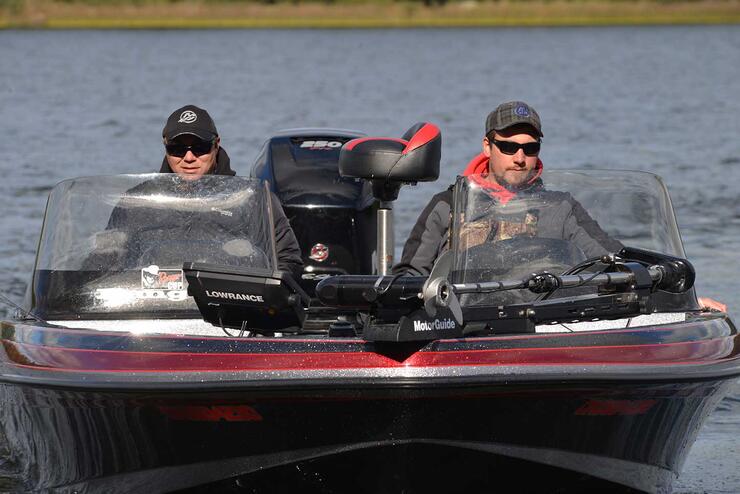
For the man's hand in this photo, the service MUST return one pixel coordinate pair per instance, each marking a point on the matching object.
(711, 304)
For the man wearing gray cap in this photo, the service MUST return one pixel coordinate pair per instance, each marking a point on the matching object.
(511, 166)
(511, 146)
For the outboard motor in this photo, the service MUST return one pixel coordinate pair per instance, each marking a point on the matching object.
(334, 218)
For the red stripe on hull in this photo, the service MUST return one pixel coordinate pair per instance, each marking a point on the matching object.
(74, 359)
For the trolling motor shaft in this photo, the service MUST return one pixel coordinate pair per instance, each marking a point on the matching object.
(364, 292)
(545, 282)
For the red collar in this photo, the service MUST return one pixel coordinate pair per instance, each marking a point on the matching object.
(477, 169)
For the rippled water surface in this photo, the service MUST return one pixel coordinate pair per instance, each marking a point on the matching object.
(656, 99)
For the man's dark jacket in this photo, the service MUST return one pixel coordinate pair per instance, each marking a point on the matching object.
(286, 244)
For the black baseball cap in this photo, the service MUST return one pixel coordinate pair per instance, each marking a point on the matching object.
(513, 113)
(190, 120)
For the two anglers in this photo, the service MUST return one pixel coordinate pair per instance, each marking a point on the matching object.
(509, 161)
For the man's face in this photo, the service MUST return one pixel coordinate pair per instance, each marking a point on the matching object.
(190, 157)
(511, 170)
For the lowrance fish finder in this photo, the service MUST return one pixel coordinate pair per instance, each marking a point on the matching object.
(254, 299)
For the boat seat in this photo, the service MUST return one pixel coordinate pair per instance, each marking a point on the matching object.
(414, 158)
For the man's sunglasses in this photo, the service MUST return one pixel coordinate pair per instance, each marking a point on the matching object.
(508, 147)
(180, 150)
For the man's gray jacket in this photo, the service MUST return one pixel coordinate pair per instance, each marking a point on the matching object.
(534, 212)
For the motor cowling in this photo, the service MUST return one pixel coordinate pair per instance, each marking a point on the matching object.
(333, 218)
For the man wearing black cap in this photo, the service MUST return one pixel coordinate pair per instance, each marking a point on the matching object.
(512, 168)
(192, 149)
(192, 145)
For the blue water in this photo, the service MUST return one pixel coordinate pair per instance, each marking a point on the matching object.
(658, 99)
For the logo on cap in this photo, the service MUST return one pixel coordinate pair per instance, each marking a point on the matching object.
(188, 116)
(522, 111)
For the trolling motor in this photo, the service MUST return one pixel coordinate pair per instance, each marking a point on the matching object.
(388, 163)
(415, 308)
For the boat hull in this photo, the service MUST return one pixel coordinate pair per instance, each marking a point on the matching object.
(68, 423)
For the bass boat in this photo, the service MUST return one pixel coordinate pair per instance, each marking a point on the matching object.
(161, 349)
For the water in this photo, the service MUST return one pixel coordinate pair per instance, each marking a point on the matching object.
(657, 99)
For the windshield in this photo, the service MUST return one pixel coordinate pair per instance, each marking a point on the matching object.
(116, 244)
(560, 220)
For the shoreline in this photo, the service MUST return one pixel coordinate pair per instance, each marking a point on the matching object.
(209, 14)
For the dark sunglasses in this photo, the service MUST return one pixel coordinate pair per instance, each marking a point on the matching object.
(508, 147)
(180, 150)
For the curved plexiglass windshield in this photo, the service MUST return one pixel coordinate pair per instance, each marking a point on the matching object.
(116, 244)
(562, 219)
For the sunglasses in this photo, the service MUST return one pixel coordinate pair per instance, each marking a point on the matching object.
(180, 150)
(508, 147)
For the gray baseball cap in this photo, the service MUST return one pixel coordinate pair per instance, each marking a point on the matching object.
(513, 113)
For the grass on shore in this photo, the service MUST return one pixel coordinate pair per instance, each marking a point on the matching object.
(194, 14)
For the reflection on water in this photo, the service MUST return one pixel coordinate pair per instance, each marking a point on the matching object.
(656, 99)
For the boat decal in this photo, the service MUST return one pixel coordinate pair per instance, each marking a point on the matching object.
(119, 297)
(615, 407)
(211, 413)
(316, 276)
(319, 252)
(154, 278)
(223, 212)
(248, 297)
(434, 325)
(321, 145)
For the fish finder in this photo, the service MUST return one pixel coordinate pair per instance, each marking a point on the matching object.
(254, 299)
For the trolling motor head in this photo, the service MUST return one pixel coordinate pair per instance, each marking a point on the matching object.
(677, 275)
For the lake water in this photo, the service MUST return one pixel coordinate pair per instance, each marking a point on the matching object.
(660, 99)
